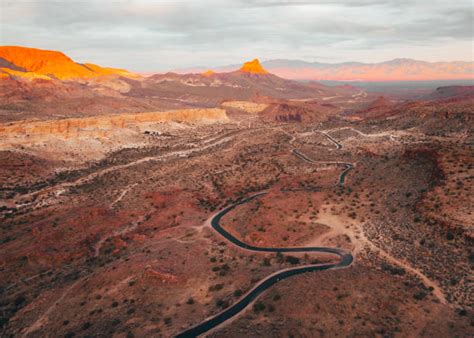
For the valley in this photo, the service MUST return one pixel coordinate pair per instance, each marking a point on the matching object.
(233, 204)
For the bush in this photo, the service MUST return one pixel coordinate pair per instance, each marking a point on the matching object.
(258, 306)
(86, 325)
(292, 260)
(393, 269)
(216, 287)
(420, 295)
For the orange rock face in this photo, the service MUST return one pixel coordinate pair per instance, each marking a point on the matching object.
(53, 63)
(209, 73)
(253, 67)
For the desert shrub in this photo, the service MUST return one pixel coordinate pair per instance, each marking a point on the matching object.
(420, 295)
(258, 306)
(393, 269)
(216, 287)
(86, 325)
(292, 260)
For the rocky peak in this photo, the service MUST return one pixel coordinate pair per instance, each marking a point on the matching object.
(253, 67)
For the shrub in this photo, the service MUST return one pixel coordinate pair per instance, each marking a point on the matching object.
(292, 260)
(216, 287)
(86, 325)
(419, 295)
(258, 306)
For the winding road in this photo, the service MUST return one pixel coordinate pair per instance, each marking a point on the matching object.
(346, 257)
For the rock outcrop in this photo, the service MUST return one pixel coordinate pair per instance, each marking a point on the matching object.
(253, 67)
(33, 63)
(74, 126)
(208, 73)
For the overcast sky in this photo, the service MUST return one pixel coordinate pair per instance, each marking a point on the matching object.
(157, 35)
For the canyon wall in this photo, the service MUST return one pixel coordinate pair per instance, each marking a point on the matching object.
(74, 126)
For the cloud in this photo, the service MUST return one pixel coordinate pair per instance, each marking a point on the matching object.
(159, 34)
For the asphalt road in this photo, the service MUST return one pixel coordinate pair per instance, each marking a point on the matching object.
(346, 259)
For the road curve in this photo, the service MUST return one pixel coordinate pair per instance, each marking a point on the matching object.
(346, 258)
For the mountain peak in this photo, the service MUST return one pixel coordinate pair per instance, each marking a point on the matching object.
(253, 67)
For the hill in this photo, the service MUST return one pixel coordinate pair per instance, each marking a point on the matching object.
(31, 63)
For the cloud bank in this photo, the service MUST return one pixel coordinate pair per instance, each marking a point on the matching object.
(155, 35)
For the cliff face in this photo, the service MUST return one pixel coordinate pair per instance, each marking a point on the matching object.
(30, 61)
(75, 126)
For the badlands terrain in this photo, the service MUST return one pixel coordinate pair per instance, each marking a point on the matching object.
(233, 204)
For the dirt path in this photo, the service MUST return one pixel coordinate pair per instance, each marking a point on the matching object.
(338, 226)
(44, 318)
(123, 193)
(62, 187)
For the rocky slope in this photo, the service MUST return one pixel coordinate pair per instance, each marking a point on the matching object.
(243, 85)
(70, 127)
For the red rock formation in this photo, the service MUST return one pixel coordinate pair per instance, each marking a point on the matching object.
(253, 67)
(48, 63)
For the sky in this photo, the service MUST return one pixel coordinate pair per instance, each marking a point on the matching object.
(158, 35)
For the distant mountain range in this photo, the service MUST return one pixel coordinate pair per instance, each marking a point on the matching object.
(394, 70)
